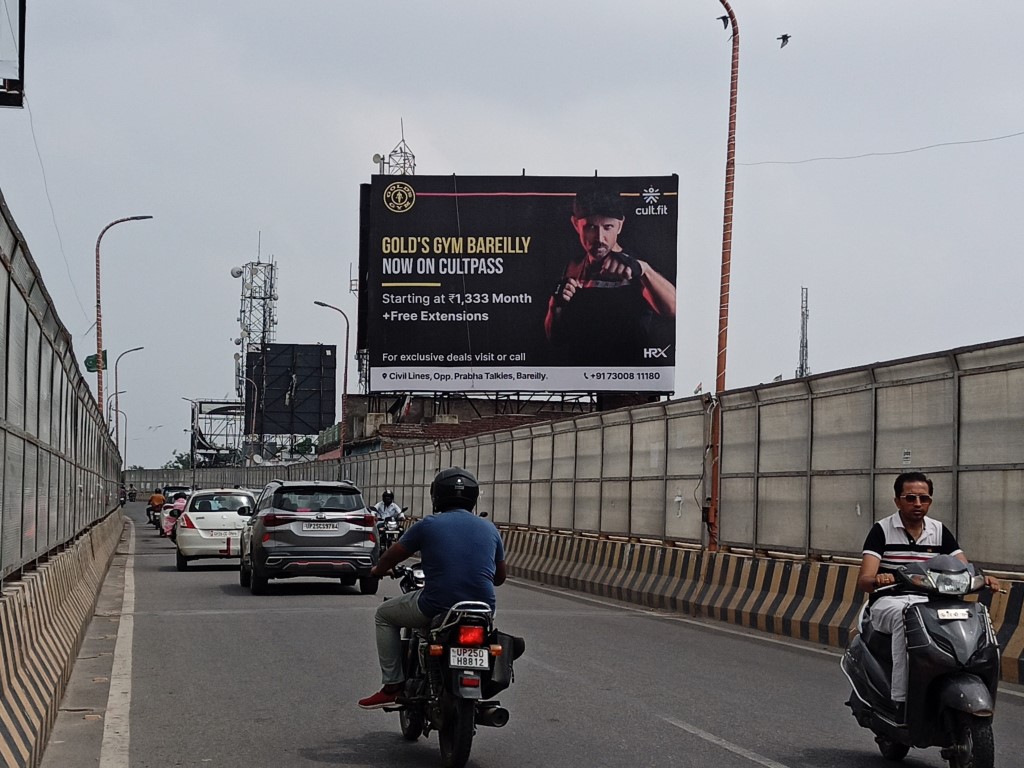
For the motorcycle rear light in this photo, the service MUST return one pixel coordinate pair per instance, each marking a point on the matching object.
(469, 682)
(186, 522)
(471, 636)
(436, 650)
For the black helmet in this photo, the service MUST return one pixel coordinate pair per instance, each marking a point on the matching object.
(388, 497)
(454, 488)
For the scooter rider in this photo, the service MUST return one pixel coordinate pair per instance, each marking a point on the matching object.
(386, 507)
(463, 558)
(905, 537)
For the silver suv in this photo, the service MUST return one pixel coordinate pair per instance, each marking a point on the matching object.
(310, 528)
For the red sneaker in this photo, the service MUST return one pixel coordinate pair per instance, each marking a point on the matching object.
(385, 697)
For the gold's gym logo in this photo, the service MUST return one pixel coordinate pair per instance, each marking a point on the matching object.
(399, 197)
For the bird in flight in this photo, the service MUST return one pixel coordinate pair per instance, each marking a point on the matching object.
(784, 39)
(725, 21)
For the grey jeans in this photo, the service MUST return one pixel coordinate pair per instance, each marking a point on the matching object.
(887, 616)
(391, 616)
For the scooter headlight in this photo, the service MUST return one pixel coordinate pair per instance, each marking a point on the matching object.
(951, 583)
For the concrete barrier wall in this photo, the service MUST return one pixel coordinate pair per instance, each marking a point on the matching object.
(43, 618)
(806, 600)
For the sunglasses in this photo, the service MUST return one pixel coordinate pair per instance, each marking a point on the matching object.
(913, 497)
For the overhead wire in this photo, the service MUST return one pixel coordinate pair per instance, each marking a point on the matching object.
(886, 154)
(53, 215)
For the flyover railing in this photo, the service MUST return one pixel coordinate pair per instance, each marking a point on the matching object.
(807, 464)
(60, 466)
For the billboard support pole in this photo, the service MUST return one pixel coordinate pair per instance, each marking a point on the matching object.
(723, 307)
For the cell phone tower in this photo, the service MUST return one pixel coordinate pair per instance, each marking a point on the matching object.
(803, 368)
(257, 317)
(400, 161)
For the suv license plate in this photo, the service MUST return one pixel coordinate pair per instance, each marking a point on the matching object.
(953, 613)
(319, 526)
(469, 658)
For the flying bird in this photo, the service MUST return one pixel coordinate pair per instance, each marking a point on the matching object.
(725, 21)
(784, 39)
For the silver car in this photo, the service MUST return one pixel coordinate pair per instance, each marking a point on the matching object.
(310, 528)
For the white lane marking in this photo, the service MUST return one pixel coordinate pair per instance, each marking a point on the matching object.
(720, 742)
(114, 752)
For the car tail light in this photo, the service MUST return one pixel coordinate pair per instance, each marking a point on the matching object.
(471, 636)
(186, 522)
(272, 521)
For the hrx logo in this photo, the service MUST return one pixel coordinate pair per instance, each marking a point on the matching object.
(655, 352)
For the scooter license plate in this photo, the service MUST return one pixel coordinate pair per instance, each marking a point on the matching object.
(468, 658)
(953, 613)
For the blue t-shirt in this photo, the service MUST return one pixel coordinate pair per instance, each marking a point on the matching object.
(459, 552)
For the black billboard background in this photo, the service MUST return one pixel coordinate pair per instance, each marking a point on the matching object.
(514, 207)
(290, 389)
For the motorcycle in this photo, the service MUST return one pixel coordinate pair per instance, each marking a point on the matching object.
(389, 530)
(452, 672)
(132, 494)
(122, 498)
(953, 669)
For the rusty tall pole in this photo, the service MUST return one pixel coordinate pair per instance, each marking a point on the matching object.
(99, 311)
(723, 301)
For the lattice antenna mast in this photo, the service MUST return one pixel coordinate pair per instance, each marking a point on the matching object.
(803, 369)
(401, 160)
(258, 315)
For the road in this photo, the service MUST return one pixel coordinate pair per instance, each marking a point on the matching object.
(220, 678)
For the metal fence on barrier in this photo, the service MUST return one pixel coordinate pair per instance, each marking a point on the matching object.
(807, 465)
(60, 467)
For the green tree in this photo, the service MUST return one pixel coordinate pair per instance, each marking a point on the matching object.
(180, 461)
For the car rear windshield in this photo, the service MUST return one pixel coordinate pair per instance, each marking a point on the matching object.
(319, 500)
(221, 502)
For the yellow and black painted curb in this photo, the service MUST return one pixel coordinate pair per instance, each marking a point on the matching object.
(807, 600)
(43, 618)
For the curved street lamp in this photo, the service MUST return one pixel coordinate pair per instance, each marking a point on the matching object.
(99, 311)
(723, 301)
(117, 400)
(344, 381)
(109, 411)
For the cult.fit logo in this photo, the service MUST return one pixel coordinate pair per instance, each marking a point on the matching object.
(651, 196)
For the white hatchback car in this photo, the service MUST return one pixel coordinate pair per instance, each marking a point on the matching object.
(211, 524)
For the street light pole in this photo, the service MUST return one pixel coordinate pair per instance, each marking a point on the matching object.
(99, 311)
(108, 411)
(344, 380)
(117, 400)
(723, 306)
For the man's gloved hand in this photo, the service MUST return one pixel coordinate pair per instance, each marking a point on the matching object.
(621, 264)
(565, 290)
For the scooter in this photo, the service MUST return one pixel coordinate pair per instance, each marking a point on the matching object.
(452, 672)
(953, 669)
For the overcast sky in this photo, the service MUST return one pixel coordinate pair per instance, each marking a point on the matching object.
(239, 121)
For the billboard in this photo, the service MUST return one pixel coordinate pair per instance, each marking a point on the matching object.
(290, 389)
(519, 283)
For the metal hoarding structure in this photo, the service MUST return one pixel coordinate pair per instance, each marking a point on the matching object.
(464, 283)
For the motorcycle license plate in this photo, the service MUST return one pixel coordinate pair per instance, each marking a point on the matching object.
(954, 613)
(469, 658)
(319, 526)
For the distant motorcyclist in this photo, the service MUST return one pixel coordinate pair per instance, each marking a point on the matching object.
(463, 558)
(156, 503)
(386, 507)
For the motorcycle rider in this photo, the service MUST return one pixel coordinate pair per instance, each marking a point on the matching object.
(386, 507)
(156, 503)
(463, 558)
(904, 537)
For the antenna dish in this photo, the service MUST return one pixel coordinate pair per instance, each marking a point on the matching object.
(378, 159)
(236, 271)
(238, 356)
(238, 342)
(257, 459)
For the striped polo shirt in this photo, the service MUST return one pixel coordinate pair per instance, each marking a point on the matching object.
(889, 541)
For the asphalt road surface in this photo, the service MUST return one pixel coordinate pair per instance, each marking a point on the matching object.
(189, 669)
